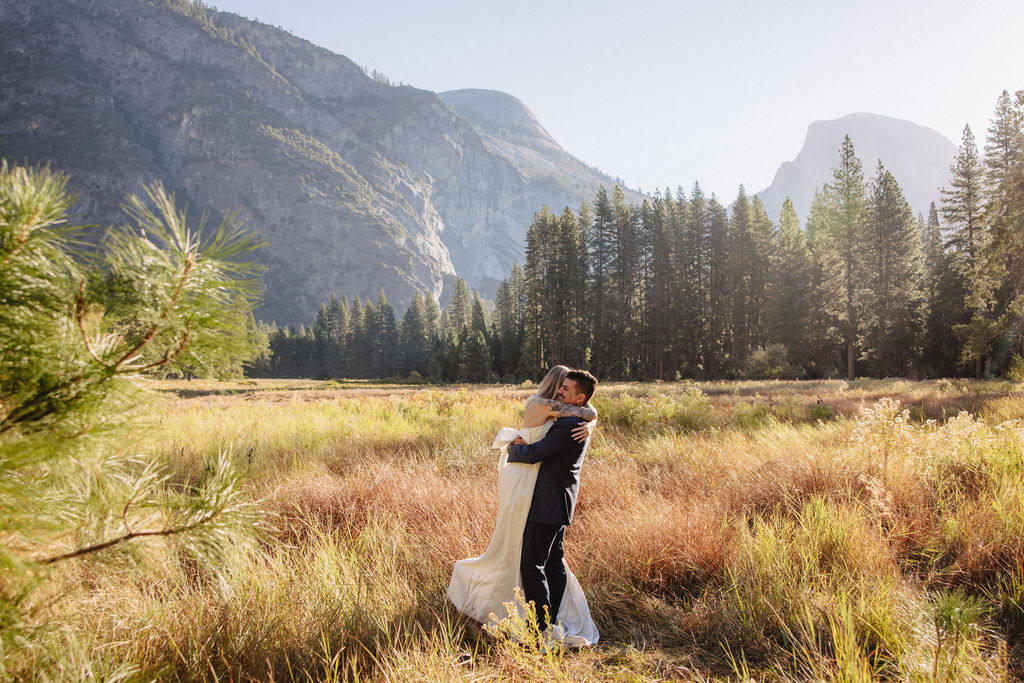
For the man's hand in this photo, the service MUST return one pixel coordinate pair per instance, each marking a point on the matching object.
(583, 432)
(519, 440)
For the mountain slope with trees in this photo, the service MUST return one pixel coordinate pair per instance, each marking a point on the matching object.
(356, 184)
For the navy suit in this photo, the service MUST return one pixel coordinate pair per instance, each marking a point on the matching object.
(554, 500)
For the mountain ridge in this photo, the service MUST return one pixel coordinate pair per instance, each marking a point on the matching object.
(356, 185)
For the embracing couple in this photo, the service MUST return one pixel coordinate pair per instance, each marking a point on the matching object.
(538, 478)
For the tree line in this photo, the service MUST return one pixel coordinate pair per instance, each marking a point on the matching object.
(682, 286)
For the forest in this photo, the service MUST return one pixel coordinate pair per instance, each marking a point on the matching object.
(683, 286)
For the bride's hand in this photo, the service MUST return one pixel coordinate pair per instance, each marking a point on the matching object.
(583, 432)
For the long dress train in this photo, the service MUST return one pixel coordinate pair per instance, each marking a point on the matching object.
(481, 586)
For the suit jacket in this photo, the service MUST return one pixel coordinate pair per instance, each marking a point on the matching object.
(558, 479)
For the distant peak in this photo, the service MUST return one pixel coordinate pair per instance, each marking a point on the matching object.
(495, 112)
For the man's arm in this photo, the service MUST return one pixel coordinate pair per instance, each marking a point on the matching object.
(585, 412)
(557, 442)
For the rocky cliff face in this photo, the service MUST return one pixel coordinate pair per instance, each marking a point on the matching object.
(918, 157)
(356, 185)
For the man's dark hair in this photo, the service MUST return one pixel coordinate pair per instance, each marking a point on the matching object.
(586, 382)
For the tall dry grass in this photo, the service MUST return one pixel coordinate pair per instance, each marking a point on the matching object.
(766, 530)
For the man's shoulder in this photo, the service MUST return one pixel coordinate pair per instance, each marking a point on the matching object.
(570, 421)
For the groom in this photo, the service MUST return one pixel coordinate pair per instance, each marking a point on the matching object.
(554, 498)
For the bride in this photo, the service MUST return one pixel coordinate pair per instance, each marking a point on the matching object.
(481, 587)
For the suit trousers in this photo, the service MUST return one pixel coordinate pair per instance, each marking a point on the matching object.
(542, 569)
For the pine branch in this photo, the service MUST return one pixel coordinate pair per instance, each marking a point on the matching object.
(190, 263)
(79, 318)
(172, 531)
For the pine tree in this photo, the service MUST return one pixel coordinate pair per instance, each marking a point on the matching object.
(358, 350)
(694, 268)
(601, 307)
(945, 292)
(584, 338)
(384, 342)
(659, 221)
(413, 338)
(739, 271)
(69, 388)
(1003, 148)
(536, 349)
(962, 207)
(849, 191)
(474, 364)
(719, 331)
(763, 238)
(322, 343)
(1000, 278)
(509, 306)
(460, 307)
(478, 316)
(432, 318)
(789, 291)
(566, 279)
(893, 309)
(825, 327)
(338, 321)
(624, 275)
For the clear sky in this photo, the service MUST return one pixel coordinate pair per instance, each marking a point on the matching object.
(663, 93)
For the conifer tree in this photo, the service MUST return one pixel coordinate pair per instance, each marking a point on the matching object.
(413, 338)
(694, 267)
(68, 386)
(945, 291)
(584, 339)
(432, 317)
(963, 207)
(893, 310)
(624, 275)
(719, 296)
(601, 307)
(322, 343)
(478, 316)
(509, 306)
(540, 237)
(566, 281)
(849, 191)
(789, 290)
(359, 346)
(474, 356)
(661, 284)
(1000, 279)
(384, 342)
(1003, 148)
(338, 321)
(460, 307)
(739, 277)
(825, 327)
(763, 238)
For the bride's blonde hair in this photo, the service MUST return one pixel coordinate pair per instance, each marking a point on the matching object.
(552, 381)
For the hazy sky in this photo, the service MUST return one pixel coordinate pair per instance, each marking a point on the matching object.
(665, 93)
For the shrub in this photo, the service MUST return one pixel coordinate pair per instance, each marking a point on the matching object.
(770, 362)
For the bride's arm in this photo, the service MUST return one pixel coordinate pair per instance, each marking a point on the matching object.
(559, 409)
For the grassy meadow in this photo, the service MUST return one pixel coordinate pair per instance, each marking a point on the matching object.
(740, 530)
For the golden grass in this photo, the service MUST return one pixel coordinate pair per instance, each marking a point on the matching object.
(777, 530)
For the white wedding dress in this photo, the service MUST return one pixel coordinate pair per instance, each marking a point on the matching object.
(481, 586)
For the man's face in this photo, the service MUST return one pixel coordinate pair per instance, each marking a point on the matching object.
(569, 393)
